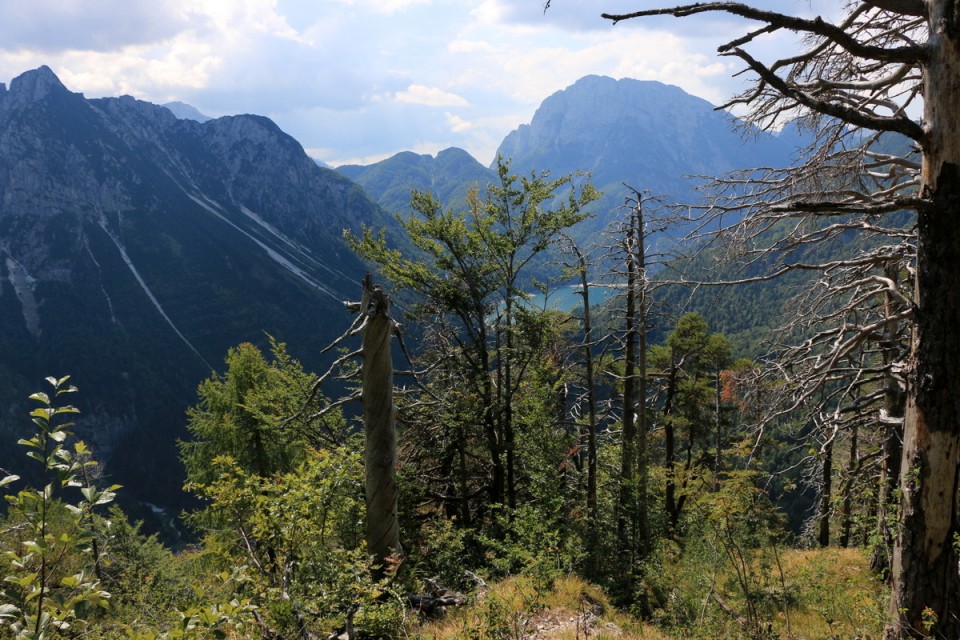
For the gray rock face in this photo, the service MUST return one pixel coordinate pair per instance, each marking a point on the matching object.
(645, 134)
(137, 247)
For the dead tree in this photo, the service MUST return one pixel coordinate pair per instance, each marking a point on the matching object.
(631, 257)
(379, 424)
(854, 81)
(580, 267)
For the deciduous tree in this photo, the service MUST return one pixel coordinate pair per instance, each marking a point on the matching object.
(471, 269)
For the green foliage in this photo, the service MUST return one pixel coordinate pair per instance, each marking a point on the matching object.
(243, 414)
(532, 546)
(280, 501)
(51, 557)
(147, 582)
(727, 562)
(300, 534)
(469, 274)
(440, 550)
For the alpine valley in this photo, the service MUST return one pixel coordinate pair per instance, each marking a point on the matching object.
(137, 247)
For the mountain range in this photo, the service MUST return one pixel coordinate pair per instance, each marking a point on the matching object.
(642, 134)
(139, 242)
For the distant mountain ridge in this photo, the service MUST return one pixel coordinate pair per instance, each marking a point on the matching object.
(449, 176)
(185, 111)
(136, 248)
(648, 135)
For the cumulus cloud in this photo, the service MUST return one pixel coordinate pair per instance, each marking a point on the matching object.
(456, 123)
(430, 97)
(387, 7)
(470, 46)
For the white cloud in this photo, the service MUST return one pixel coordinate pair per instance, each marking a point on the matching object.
(470, 46)
(385, 7)
(430, 97)
(456, 123)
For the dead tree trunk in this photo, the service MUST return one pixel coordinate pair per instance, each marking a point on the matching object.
(925, 576)
(894, 401)
(628, 439)
(826, 489)
(379, 415)
(848, 488)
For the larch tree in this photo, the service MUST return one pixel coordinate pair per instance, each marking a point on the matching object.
(857, 82)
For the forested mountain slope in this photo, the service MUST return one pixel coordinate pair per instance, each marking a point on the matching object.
(449, 176)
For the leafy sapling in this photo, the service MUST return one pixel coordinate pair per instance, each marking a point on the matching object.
(50, 556)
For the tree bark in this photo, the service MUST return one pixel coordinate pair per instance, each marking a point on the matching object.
(626, 522)
(826, 488)
(846, 526)
(669, 444)
(643, 527)
(379, 420)
(894, 401)
(925, 575)
(590, 384)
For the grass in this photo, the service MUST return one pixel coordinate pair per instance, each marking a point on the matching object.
(518, 608)
(833, 594)
(829, 594)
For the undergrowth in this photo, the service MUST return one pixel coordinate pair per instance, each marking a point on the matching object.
(823, 594)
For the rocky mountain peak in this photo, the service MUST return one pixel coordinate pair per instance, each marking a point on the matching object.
(645, 133)
(35, 85)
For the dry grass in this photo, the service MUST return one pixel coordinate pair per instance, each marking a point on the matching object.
(831, 594)
(516, 609)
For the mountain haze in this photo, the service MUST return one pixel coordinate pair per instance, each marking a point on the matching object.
(185, 111)
(136, 248)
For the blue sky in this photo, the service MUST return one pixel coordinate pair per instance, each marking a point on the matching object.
(356, 81)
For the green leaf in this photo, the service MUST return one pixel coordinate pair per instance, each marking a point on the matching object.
(71, 581)
(8, 480)
(9, 611)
